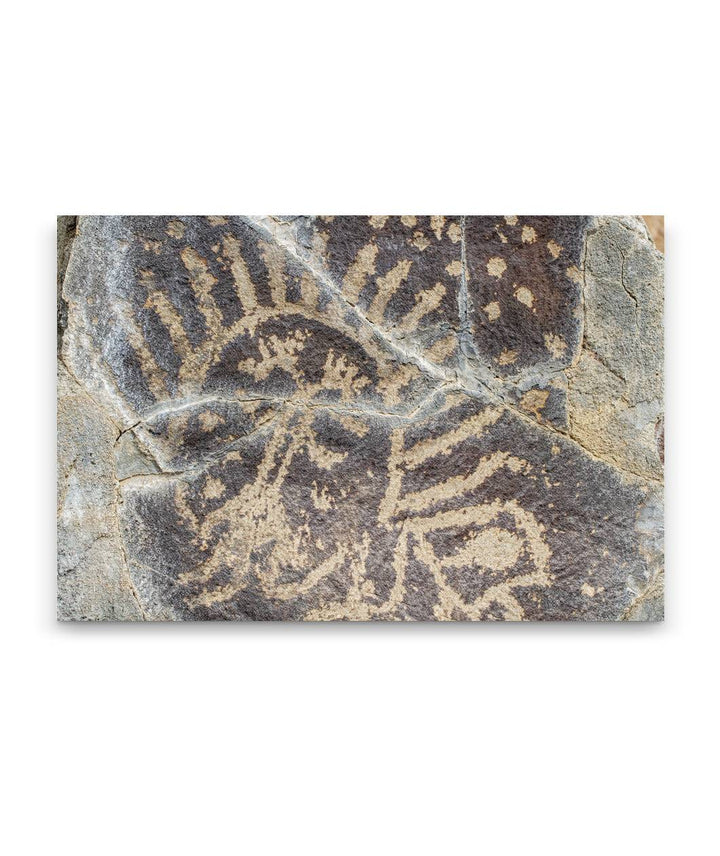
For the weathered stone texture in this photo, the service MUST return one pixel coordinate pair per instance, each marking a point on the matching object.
(93, 577)
(360, 418)
(616, 386)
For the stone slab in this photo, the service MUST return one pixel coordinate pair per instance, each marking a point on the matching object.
(363, 418)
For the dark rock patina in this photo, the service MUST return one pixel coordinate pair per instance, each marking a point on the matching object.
(362, 418)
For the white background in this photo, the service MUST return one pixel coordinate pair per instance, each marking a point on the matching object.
(357, 739)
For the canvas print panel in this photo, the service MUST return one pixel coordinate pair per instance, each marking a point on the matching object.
(360, 417)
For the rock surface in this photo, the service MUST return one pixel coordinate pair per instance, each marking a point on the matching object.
(399, 418)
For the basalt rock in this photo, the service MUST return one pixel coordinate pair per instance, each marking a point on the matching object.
(394, 418)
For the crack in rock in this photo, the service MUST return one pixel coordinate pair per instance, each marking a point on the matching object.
(360, 418)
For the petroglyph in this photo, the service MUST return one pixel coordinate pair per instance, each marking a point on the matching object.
(366, 418)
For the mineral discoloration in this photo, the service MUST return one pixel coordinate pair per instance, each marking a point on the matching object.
(366, 418)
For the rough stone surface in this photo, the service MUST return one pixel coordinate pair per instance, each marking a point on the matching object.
(395, 418)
